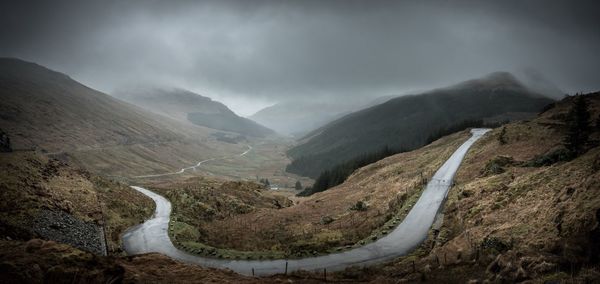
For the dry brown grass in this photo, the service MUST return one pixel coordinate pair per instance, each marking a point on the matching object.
(30, 183)
(385, 186)
(38, 261)
(527, 223)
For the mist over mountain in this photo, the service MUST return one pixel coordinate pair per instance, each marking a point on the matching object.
(47, 111)
(297, 118)
(406, 122)
(255, 55)
(171, 102)
(190, 107)
(300, 141)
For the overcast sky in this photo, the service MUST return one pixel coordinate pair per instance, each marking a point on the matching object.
(249, 54)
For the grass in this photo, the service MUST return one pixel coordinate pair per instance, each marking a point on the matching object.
(268, 231)
(31, 182)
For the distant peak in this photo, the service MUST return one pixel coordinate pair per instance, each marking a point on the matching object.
(501, 76)
(10, 66)
(495, 80)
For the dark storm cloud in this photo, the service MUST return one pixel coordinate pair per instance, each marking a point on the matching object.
(277, 50)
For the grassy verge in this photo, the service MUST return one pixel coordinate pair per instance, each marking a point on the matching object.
(184, 235)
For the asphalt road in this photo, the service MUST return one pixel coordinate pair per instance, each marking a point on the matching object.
(152, 235)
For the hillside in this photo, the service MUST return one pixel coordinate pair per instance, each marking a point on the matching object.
(52, 217)
(300, 117)
(510, 216)
(407, 122)
(46, 198)
(187, 106)
(48, 111)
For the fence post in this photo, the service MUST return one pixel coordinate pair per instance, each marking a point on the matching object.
(286, 266)
(325, 274)
(252, 271)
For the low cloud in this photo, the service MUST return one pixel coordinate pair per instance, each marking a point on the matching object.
(262, 52)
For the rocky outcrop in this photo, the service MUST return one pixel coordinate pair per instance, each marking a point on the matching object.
(64, 228)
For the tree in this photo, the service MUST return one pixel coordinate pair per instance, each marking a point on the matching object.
(578, 126)
(298, 185)
(4, 142)
(265, 182)
(502, 136)
(360, 206)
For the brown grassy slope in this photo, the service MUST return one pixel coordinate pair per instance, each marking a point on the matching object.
(47, 110)
(302, 227)
(31, 183)
(38, 261)
(200, 200)
(526, 223)
(267, 159)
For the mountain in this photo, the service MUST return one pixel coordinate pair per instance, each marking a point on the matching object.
(300, 117)
(508, 218)
(48, 111)
(407, 122)
(187, 106)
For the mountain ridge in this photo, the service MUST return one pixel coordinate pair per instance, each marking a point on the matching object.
(189, 107)
(297, 118)
(48, 111)
(407, 121)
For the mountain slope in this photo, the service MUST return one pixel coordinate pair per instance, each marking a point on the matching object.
(298, 118)
(517, 223)
(51, 221)
(187, 106)
(48, 111)
(407, 122)
(45, 198)
(503, 221)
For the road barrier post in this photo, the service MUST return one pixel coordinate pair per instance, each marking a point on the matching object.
(286, 266)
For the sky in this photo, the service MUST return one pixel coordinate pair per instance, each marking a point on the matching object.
(251, 54)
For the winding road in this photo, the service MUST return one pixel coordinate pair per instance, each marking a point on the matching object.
(181, 171)
(152, 235)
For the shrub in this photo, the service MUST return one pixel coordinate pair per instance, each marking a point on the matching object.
(496, 165)
(360, 206)
(578, 126)
(550, 158)
(502, 136)
(495, 244)
(326, 220)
